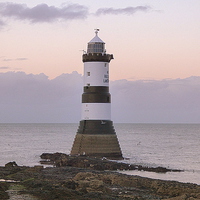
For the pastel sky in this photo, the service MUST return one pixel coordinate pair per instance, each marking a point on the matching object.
(155, 74)
(149, 39)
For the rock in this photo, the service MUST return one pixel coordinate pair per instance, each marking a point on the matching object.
(34, 169)
(11, 164)
(61, 160)
(3, 188)
(90, 182)
(81, 177)
(182, 197)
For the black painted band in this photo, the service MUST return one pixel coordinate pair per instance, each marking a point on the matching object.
(96, 94)
(99, 89)
(96, 127)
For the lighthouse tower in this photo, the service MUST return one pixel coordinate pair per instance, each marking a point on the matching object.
(96, 135)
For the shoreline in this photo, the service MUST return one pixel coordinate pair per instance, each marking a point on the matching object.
(88, 178)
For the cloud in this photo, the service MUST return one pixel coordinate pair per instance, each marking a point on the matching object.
(7, 60)
(2, 24)
(45, 13)
(19, 59)
(4, 67)
(127, 10)
(164, 101)
(36, 99)
(42, 12)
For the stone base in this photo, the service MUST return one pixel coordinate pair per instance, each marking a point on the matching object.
(97, 145)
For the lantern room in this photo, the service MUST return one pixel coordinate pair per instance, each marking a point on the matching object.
(96, 45)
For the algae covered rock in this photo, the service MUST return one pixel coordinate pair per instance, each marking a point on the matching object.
(3, 188)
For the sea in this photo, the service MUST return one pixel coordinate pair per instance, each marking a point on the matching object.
(175, 146)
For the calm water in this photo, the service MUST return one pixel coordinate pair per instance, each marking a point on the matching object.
(169, 145)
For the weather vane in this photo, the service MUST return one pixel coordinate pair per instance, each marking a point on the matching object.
(96, 30)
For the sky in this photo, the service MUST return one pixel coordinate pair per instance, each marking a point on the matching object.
(156, 47)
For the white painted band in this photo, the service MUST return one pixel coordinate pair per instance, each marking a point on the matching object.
(96, 74)
(96, 111)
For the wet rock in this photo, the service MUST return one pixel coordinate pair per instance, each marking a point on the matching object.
(3, 188)
(79, 183)
(61, 160)
(11, 164)
(137, 186)
(81, 177)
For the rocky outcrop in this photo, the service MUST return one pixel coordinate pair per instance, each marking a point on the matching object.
(61, 160)
(76, 183)
(11, 164)
(133, 186)
(86, 178)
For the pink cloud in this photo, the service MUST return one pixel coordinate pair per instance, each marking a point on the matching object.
(42, 12)
(127, 10)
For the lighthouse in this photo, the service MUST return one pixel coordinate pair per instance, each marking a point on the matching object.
(96, 135)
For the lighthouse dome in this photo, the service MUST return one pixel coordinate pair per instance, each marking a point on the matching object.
(96, 45)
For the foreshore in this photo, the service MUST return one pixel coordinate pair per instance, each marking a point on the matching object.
(81, 177)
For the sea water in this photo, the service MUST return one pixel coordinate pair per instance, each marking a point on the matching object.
(175, 146)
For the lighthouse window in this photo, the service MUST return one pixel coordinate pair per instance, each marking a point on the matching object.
(95, 48)
(88, 73)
